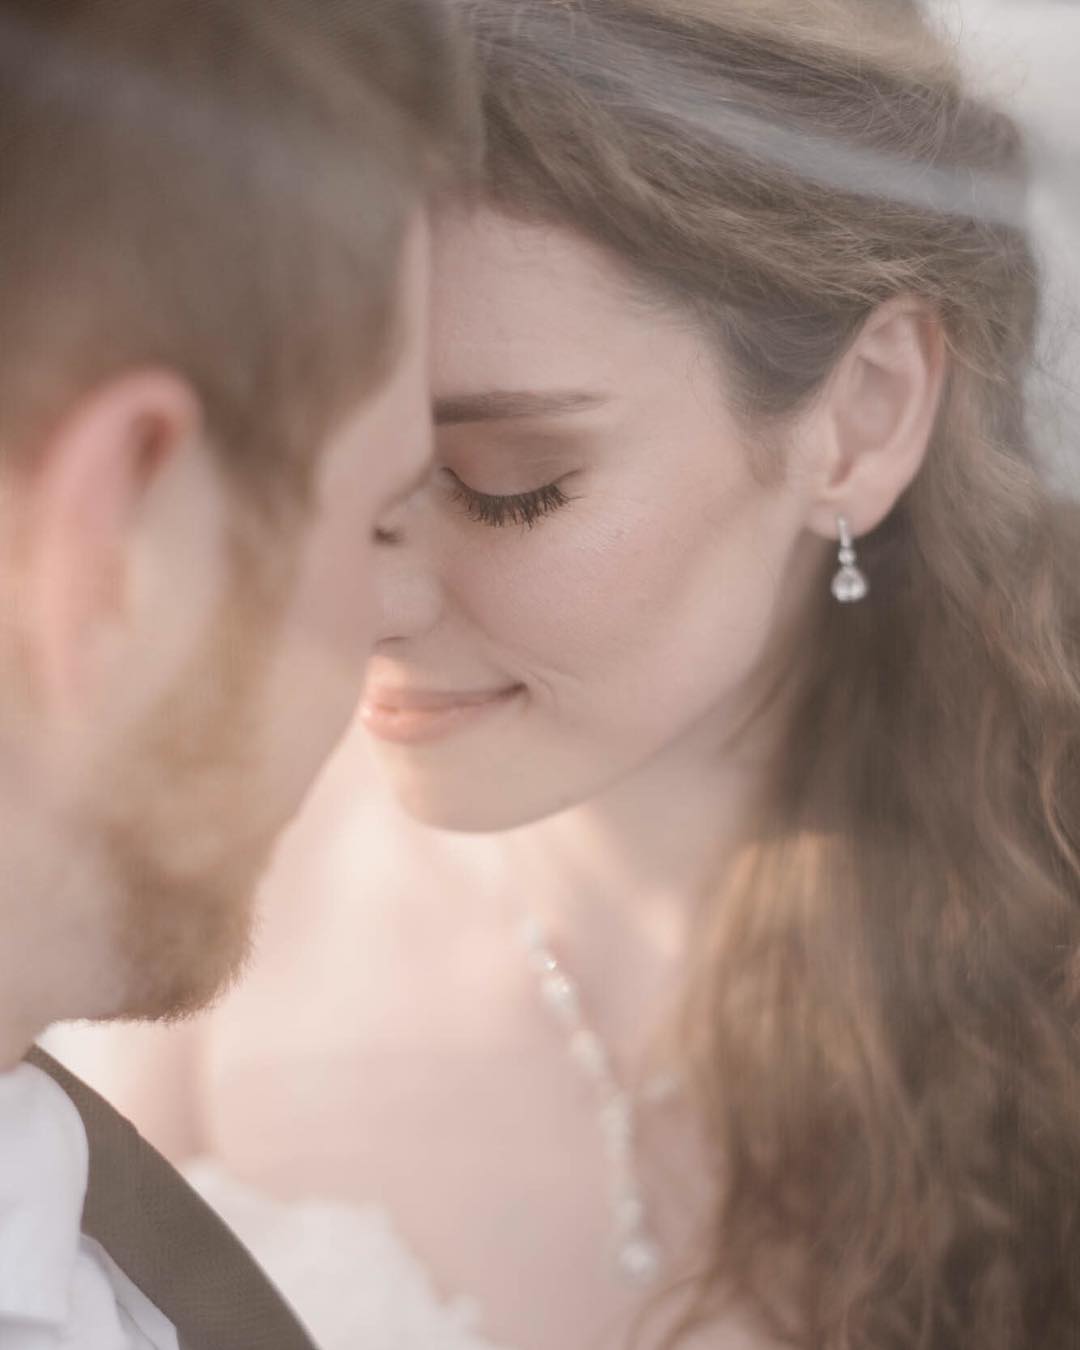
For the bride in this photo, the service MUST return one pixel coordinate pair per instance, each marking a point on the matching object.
(718, 979)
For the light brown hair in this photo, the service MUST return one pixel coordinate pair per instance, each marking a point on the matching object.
(882, 1021)
(220, 187)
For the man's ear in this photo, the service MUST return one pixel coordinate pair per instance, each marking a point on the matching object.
(82, 502)
(875, 419)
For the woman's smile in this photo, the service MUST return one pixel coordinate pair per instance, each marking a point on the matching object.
(415, 716)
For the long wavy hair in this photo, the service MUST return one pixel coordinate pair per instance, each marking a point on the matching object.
(882, 1019)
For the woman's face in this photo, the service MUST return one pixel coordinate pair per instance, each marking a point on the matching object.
(591, 578)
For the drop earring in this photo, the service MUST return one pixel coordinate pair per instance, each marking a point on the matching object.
(849, 585)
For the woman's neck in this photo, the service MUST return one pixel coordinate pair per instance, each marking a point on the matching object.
(619, 878)
(659, 835)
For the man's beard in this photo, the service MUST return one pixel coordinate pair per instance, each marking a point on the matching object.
(187, 822)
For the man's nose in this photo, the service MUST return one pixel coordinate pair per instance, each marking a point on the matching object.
(408, 585)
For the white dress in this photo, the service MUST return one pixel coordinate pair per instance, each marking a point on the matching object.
(345, 1270)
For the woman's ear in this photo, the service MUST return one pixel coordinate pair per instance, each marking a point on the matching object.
(874, 422)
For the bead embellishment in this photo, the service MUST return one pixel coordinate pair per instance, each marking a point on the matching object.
(637, 1254)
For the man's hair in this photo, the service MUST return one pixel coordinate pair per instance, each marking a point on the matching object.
(219, 187)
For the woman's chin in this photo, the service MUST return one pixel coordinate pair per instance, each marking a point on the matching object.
(466, 799)
(465, 809)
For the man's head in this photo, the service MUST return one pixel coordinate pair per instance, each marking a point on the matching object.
(213, 262)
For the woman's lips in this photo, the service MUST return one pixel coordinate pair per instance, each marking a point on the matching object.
(411, 716)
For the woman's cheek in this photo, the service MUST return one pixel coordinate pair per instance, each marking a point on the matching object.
(572, 590)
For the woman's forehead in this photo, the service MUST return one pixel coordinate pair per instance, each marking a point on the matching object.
(537, 305)
(491, 260)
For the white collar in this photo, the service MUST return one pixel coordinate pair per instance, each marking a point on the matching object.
(44, 1160)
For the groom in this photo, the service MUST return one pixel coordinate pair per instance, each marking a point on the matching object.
(212, 382)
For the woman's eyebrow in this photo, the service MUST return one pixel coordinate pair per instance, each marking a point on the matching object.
(504, 405)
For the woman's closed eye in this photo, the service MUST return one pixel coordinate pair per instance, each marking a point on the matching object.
(516, 508)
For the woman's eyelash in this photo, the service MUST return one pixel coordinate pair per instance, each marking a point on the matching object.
(519, 508)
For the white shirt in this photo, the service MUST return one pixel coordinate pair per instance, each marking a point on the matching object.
(59, 1290)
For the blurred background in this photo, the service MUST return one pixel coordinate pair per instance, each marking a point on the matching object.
(1027, 53)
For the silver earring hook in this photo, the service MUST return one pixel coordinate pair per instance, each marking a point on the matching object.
(849, 585)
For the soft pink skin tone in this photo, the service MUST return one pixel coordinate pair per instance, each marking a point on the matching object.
(376, 458)
(391, 1047)
(119, 570)
(633, 618)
